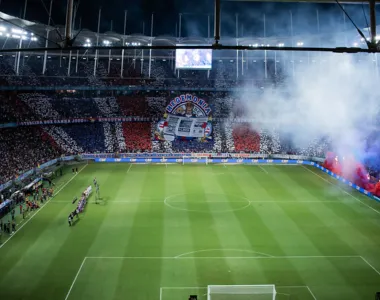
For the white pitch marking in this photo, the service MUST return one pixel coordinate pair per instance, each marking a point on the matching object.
(197, 202)
(160, 293)
(311, 292)
(292, 286)
(366, 261)
(209, 250)
(130, 166)
(265, 171)
(183, 287)
(1, 246)
(200, 211)
(324, 179)
(76, 277)
(288, 295)
(226, 257)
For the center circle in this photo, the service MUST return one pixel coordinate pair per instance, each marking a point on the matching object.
(207, 202)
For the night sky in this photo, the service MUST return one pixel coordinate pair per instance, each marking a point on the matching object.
(194, 20)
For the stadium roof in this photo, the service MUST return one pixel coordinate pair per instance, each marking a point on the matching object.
(88, 37)
(307, 1)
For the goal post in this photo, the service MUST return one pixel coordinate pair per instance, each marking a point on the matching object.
(241, 292)
(195, 159)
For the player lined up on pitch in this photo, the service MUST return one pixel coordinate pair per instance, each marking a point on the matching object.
(81, 205)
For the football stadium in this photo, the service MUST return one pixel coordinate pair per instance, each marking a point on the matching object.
(212, 150)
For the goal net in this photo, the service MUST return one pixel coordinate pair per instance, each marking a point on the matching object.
(241, 292)
(195, 160)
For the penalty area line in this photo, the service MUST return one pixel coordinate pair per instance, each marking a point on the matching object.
(75, 278)
(265, 171)
(371, 266)
(46, 203)
(311, 293)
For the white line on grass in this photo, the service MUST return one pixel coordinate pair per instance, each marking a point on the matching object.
(324, 179)
(130, 166)
(205, 288)
(366, 261)
(226, 257)
(183, 287)
(56, 193)
(311, 292)
(76, 277)
(265, 171)
(210, 250)
(197, 202)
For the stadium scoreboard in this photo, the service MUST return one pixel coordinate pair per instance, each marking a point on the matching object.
(196, 59)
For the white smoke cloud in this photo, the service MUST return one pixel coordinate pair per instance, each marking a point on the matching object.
(335, 98)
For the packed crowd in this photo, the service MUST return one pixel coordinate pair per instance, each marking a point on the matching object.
(25, 147)
(22, 149)
(137, 136)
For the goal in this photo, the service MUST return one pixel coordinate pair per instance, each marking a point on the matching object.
(241, 292)
(195, 160)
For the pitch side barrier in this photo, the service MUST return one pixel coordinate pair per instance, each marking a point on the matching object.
(238, 161)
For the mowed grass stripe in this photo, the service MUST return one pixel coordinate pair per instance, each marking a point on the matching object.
(177, 234)
(113, 236)
(113, 229)
(334, 216)
(347, 216)
(324, 179)
(226, 216)
(203, 230)
(146, 239)
(20, 253)
(307, 222)
(304, 218)
(37, 241)
(260, 237)
(79, 240)
(177, 225)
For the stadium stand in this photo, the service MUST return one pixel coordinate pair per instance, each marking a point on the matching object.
(245, 138)
(63, 140)
(69, 107)
(137, 136)
(135, 105)
(22, 149)
(89, 137)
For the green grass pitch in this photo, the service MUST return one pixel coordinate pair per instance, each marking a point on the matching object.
(164, 232)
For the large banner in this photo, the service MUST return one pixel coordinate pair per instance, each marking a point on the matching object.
(186, 117)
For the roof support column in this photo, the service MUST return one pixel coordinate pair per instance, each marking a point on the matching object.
(217, 22)
(122, 51)
(372, 14)
(47, 37)
(97, 41)
(69, 21)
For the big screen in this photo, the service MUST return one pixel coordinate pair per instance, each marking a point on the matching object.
(193, 58)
